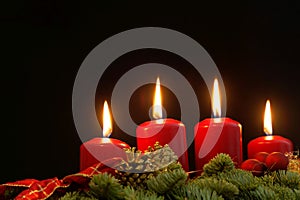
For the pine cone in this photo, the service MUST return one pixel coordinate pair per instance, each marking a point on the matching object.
(139, 167)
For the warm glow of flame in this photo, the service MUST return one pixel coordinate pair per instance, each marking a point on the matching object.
(107, 124)
(268, 119)
(157, 108)
(216, 99)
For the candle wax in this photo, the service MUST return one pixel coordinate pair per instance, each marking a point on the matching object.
(217, 135)
(269, 144)
(165, 131)
(100, 149)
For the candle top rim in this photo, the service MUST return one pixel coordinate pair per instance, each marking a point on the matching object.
(219, 120)
(165, 120)
(269, 136)
(100, 139)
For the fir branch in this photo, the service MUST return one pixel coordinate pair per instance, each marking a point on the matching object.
(132, 194)
(284, 192)
(289, 179)
(77, 196)
(166, 181)
(205, 195)
(267, 180)
(191, 191)
(263, 193)
(105, 186)
(284, 183)
(172, 166)
(297, 193)
(243, 180)
(220, 163)
(222, 187)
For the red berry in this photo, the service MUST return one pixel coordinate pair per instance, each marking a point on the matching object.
(261, 156)
(277, 161)
(256, 167)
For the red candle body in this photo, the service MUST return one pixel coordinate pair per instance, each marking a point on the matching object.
(100, 149)
(269, 144)
(165, 131)
(217, 135)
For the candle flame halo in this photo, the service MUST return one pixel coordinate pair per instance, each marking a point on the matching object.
(216, 99)
(157, 105)
(268, 119)
(107, 122)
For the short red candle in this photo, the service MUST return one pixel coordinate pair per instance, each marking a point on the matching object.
(217, 135)
(100, 149)
(269, 144)
(165, 131)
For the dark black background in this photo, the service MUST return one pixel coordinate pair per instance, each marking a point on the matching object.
(43, 43)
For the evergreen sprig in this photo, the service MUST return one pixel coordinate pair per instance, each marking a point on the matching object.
(167, 180)
(220, 163)
(263, 193)
(289, 179)
(297, 193)
(191, 191)
(284, 192)
(77, 195)
(106, 186)
(133, 194)
(243, 180)
(222, 187)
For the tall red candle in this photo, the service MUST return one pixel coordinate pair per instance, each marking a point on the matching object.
(101, 149)
(269, 143)
(217, 135)
(165, 131)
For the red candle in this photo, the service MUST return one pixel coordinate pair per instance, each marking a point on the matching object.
(165, 131)
(100, 149)
(269, 143)
(217, 135)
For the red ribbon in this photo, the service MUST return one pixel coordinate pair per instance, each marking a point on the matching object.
(45, 188)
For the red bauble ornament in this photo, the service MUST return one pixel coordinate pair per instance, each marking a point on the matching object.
(256, 167)
(261, 156)
(277, 161)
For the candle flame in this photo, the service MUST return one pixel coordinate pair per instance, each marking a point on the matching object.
(157, 108)
(268, 119)
(216, 99)
(107, 124)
